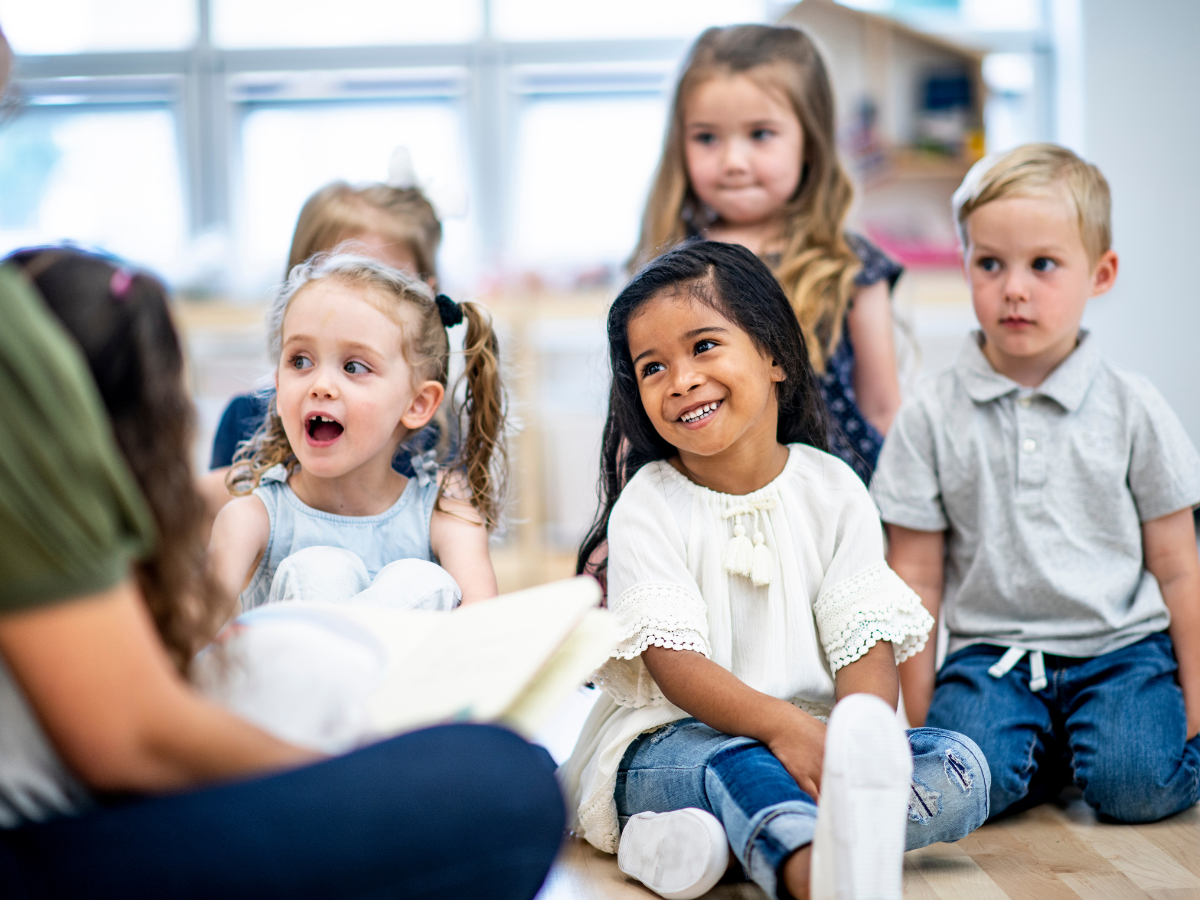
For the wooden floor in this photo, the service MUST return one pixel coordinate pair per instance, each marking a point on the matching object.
(1054, 852)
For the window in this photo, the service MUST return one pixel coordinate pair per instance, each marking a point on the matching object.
(319, 23)
(105, 178)
(544, 20)
(288, 152)
(77, 26)
(584, 166)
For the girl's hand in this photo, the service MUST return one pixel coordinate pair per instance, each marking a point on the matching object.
(800, 746)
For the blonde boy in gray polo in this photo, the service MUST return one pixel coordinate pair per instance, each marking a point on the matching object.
(1026, 491)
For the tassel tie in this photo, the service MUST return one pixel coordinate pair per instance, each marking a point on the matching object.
(743, 557)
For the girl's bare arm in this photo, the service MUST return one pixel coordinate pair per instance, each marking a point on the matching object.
(460, 542)
(114, 707)
(1169, 548)
(918, 557)
(876, 383)
(240, 535)
(720, 700)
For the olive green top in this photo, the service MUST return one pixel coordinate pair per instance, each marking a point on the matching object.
(71, 516)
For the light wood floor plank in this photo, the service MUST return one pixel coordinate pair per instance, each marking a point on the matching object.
(953, 875)
(1048, 853)
(1109, 886)
(1142, 861)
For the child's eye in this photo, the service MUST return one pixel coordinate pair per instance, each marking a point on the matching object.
(1044, 264)
(704, 137)
(300, 362)
(761, 134)
(706, 344)
(650, 369)
(355, 368)
(989, 264)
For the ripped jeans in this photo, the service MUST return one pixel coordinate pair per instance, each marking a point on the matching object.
(765, 814)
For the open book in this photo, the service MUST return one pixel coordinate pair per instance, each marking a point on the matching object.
(331, 676)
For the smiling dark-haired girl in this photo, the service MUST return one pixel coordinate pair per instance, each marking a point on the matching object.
(751, 701)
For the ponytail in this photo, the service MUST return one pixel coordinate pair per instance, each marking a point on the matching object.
(482, 453)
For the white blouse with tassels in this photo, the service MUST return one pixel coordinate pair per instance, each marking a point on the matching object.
(784, 607)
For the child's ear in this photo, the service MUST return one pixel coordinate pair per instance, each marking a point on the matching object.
(1104, 276)
(425, 402)
(777, 372)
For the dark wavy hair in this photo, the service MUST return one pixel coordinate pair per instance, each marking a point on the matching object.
(736, 283)
(119, 318)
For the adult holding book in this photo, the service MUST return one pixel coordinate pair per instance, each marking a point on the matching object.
(116, 778)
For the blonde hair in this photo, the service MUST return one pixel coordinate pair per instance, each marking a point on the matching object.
(338, 213)
(1035, 170)
(817, 266)
(482, 454)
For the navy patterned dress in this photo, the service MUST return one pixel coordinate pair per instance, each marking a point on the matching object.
(851, 437)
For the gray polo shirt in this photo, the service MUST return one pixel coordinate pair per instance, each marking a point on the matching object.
(1042, 494)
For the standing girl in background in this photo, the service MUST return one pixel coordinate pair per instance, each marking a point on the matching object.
(394, 223)
(751, 158)
(361, 364)
(747, 580)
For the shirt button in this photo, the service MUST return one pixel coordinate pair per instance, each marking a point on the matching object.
(1024, 401)
(1029, 445)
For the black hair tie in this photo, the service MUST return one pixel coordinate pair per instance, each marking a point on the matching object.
(451, 312)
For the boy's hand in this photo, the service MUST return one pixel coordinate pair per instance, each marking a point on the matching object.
(918, 557)
(799, 745)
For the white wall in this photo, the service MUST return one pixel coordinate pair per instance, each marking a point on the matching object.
(1141, 126)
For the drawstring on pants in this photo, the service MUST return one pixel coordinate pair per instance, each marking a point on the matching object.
(1037, 667)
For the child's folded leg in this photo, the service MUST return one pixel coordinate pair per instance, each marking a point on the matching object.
(951, 787)
(319, 574)
(1126, 726)
(411, 584)
(687, 764)
(1010, 724)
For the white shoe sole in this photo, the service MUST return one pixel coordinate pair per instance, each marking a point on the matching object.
(679, 855)
(858, 849)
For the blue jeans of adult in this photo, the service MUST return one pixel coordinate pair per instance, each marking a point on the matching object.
(765, 814)
(449, 812)
(1114, 725)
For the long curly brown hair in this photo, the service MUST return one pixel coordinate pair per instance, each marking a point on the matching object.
(482, 453)
(817, 266)
(121, 321)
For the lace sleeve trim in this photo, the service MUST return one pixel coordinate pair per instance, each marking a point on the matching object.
(874, 605)
(660, 614)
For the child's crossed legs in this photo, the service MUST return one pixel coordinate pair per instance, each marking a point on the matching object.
(765, 815)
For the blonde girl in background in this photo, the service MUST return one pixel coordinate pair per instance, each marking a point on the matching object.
(361, 365)
(394, 223)
(750, 158)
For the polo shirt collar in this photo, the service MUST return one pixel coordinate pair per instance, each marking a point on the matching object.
(1066, 385)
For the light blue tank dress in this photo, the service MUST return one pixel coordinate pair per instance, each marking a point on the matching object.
(400, 533)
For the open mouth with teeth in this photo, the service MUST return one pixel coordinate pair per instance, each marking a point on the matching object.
(700, 413)
(322, 429)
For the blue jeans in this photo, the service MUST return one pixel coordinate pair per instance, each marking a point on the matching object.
(450, 812)
(765, 814)
(1113, 724)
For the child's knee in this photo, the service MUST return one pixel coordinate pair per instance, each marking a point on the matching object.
(1142, 786)
(951, 787)
(412, 584)
(319, 574)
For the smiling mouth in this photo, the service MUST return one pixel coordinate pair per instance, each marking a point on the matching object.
(702, 412)
(322, 428)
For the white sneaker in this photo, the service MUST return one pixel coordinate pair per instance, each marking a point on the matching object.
(858, 848)
(678, 855)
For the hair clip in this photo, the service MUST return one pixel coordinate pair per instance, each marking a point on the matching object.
(451, 312)
(118, 286)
